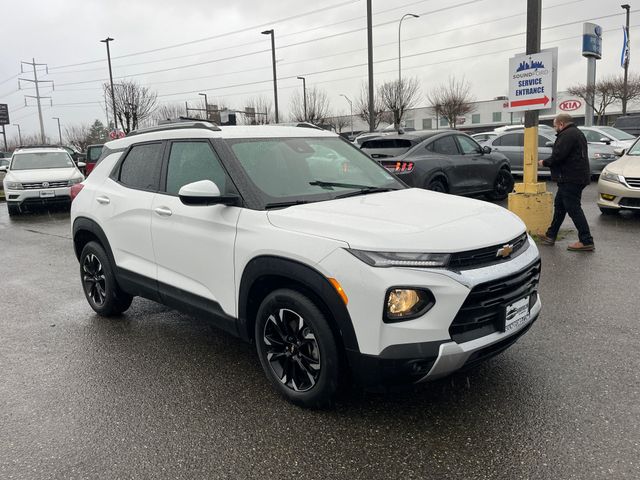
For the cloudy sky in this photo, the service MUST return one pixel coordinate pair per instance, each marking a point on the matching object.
(181, 48)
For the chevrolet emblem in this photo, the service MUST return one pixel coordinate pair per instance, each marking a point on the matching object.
(505, 251)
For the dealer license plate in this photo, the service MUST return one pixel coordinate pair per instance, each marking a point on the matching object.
(47, 193)
(517, 314)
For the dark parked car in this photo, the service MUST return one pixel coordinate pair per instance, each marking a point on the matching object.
(629, 124)
(443, 161)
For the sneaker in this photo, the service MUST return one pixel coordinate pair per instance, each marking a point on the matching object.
(581, 247)
(547, 240)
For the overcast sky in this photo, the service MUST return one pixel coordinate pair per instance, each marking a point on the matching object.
(325, 41)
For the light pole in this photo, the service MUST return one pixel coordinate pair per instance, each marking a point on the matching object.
(113, 95)
(206, 106)
(304, 93)
(273, 59)
(400, 59)
(351, 108)
(19, 134)
(626, 61)
(59, 130)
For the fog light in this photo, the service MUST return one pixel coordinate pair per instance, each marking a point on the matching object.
(608, 197)
(407, 303)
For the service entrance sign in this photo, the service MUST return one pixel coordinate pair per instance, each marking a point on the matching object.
(532, 82)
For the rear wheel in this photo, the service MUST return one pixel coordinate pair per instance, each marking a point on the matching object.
(502, 185)
(99, 282)
(437, 185)
(297, 349)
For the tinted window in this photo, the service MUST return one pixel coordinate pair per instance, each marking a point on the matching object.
(445, 146)
(141, 168)
(512, 140)
(467, 145)
(93, 154)
(193, 161)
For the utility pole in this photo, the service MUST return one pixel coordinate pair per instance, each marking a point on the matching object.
(625, 59)
(113, 94)
(59, 130)
(370, 62)
(273, 59)
(304, 94)
(37, 83)
(19, 134)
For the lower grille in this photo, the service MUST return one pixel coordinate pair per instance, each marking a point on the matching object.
(630, 202)
(633, 182)
(482, 313)
(37, 186)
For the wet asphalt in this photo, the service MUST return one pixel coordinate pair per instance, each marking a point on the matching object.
(156, 394)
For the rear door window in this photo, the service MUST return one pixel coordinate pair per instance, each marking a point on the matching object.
(512, 140)
(444, 146)
(141, 167)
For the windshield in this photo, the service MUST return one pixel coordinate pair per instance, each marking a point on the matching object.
(300, 170)
(617, 134)
(634, 149)
(35, 160)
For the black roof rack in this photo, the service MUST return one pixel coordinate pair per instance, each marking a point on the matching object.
(39, 146)
(180, 123)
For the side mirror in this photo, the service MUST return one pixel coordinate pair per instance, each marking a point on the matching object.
(81, 164)
(605, 140)
(4, 168)
(618, 151)
(205, 192)
(548, 144)
(486, 149)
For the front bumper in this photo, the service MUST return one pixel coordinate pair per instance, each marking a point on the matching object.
(624, 197)
(36, 197)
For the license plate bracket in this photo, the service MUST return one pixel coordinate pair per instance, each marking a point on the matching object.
(47, 193)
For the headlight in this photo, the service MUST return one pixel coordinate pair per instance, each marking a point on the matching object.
(604, 156)
(73, 181)
(407, 303)
(611, 177)
(401, 259)
(14, 186)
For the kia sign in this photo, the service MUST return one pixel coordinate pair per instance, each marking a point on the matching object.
(570, 105)
(532, 82)
(4, 114)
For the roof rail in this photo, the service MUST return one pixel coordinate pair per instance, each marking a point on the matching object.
(180, 123)
(38, 146)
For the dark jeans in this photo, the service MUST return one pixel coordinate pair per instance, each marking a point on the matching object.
(568, 200)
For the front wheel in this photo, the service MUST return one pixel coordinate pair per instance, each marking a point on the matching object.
(13, 209)
(297, 349)
(99, 282)
(502, 185)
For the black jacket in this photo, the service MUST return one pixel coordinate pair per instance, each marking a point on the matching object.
(569, 160)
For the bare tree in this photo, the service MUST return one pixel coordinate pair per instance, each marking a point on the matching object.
(397, 97)
(78, 136)
(361, 107)
(134, 103)
(317, 106)
(633, 87)
(169, 111)
(258, 110)
(452, 100)
(338, 122)
(598, 96)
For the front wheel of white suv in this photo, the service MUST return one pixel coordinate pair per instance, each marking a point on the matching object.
(297, 349)
(99, 282)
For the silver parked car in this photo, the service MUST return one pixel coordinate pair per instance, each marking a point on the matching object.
(608, 136)
(511, 144)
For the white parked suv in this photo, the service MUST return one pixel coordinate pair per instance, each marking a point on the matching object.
(39, 176)
(295, 240)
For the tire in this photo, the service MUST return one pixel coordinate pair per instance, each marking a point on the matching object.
(13, 210)
(502, 185)
(608, 211)
(297, 349)
(99, 282)
(437, 185)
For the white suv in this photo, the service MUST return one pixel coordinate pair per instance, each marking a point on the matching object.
(39, 176)
(295, 240)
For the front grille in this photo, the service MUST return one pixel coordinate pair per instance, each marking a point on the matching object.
(630, 202)
(38, 186)
(633, 182)
(482, 313)
(487, 256)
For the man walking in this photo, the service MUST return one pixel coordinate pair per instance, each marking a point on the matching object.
(569, 164)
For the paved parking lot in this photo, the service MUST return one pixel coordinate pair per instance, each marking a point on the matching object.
(155, 394)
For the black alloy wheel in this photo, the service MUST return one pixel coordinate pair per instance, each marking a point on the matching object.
(437, 186)
(99, 283)
(502, 186)
(297, 349)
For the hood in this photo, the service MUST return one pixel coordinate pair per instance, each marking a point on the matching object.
(404, 220)
(43, 175)
(627, 166)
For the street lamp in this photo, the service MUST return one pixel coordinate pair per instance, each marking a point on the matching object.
(351, 107)
(399, 42)
(206, 106)
(113, 95)
(19, 134)
(273, 59)
(59, 130)
(626, 61)
(304, 93)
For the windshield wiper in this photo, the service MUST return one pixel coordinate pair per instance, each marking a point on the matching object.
(330, 185)
(285, 204)
(365, 190)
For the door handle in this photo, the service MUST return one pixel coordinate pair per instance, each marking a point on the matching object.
(163, 211)
(103, 200)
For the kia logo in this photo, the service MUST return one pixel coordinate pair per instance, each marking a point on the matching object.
(570, 105)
